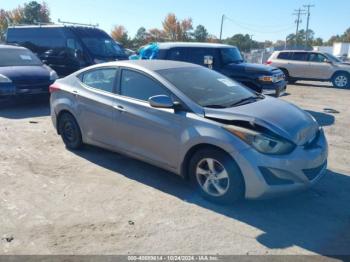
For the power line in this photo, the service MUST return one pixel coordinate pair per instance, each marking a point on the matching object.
(254, 30)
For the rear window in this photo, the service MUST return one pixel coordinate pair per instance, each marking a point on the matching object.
(300, 56)
(284, 55)
(18, 57)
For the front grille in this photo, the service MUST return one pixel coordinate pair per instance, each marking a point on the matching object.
(312, 173)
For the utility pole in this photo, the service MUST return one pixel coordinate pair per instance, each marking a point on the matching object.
(222, 24)
(298, 12)
(307, 23)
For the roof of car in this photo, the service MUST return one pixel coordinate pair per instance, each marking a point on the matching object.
(303, 51)
(167, 45)
(152, 65)
(12, 47)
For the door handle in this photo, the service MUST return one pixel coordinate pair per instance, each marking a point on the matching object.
(119, 108)
(75, 92)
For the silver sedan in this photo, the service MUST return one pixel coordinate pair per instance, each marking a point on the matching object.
(195, 122)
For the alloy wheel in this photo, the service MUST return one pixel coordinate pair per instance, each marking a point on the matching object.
(341, 81)
(212, 177)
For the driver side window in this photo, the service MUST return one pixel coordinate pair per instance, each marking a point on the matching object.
(139, 86)
(314, 57)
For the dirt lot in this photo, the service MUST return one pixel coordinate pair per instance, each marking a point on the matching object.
(53, 201)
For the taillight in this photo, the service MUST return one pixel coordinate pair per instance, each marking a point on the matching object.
(54, 88)
(268, 63)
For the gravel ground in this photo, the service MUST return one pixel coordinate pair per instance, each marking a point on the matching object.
(54, 201)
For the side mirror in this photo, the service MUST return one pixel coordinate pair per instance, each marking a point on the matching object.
(161, 101)
(327, 61)
(208, 60)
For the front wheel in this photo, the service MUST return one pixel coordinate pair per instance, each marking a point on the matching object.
(70, 131)
(341, 80)
(217, 176)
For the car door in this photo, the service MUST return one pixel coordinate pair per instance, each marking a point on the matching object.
(95, 104)
(298, 65)
(152, 134)
(318, 67)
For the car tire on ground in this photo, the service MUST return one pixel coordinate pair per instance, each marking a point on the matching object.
(341, 80)
(70, 131)
(287, 78)
(217, 176)
(278, 93)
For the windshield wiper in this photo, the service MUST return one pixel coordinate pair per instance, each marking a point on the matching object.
(246, 100)
(215, 106)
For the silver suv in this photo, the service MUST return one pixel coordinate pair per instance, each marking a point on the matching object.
(311, 65)
(194, 122)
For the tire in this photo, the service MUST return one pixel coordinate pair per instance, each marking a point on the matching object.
(288, 79)
(205, 168)
(341, 80)
(70, 132)
(278, 93)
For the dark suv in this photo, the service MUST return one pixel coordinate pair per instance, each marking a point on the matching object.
(227, 60)
(67, 49)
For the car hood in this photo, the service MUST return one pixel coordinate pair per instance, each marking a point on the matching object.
(252, 68)
(278, 116)
(26, 73)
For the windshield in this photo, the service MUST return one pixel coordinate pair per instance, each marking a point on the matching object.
(207, 87)
(103, 47)
(333, 58)
(231, 55)
(18, 57)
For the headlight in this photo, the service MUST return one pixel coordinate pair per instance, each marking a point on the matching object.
(4, 79)
(53, 75)
(263, 143)
(271, 79)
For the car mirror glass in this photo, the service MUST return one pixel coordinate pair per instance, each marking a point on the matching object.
(161, 101)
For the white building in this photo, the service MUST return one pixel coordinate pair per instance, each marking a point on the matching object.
(338, 49)
(341, 49)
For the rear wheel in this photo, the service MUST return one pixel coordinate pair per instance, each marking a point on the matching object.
(70, 131)
(341, 80)
(217, 176)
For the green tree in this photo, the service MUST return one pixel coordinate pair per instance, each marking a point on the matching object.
(346, 36)
(318, 42)
(141, 37)
(31, 13)
(200, 34)
(300, 39)
(34, 13)
(243, 42)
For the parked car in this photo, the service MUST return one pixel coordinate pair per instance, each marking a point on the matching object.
(22, 73)
(227, 60)
(313, 66)
(67, 49)
(195, 122)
